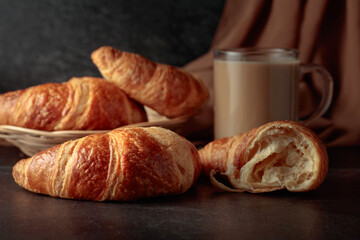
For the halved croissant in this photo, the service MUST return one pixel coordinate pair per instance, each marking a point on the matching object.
(168, 90)
(124, 164)
(85, 103)
(274, 156)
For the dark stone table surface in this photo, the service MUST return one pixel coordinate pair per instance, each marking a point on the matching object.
(330, 212)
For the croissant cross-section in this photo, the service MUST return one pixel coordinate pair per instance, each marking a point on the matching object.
(278, 155)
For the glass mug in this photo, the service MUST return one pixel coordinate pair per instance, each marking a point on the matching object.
(253, 86)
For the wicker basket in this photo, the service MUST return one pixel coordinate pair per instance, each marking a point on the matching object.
(31, 141)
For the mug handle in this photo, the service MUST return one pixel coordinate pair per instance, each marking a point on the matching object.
(327, 90)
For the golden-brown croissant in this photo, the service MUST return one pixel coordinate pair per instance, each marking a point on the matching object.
(124, 164)
(86, 103)
(168, 90)
(274, 156)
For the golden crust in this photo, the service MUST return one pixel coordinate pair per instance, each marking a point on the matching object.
(86, 103)
(168, 90)
(274, 156)
(123, 165)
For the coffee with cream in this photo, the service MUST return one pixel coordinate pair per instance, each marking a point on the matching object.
(254, 86)
(251, 93)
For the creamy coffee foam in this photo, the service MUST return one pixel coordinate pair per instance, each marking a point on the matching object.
(255, 93)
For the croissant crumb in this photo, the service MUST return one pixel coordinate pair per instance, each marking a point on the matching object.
(275, 156)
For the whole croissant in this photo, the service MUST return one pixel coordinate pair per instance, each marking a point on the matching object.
(86, 103)
(168, 90)
(274, 156)
(125, 164)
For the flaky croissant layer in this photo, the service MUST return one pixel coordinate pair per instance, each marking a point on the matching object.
(86, 103)
(124, 165)
(274, 156)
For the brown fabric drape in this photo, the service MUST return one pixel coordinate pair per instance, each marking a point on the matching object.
(325, 32)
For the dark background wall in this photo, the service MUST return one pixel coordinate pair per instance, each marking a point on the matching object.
(51, 40)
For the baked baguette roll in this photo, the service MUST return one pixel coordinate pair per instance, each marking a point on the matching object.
(274, 156)
(86, 103)
(124, 164)
(168, 90)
